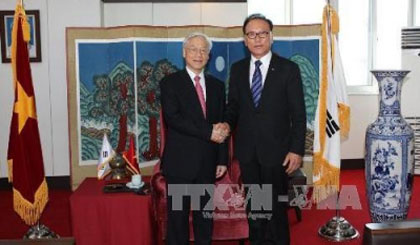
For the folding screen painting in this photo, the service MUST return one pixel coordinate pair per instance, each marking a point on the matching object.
(106, 96)
(114, 76)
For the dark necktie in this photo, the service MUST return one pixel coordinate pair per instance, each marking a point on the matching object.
(256, 86)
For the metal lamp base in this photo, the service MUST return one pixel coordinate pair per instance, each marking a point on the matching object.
(40, 231)
(338, 229)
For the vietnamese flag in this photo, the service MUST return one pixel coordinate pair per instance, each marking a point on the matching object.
(26, 167)
(130, 158)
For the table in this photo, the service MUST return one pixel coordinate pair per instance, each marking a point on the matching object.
(110, 218)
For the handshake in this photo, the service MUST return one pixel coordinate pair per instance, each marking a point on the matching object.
(220, 132)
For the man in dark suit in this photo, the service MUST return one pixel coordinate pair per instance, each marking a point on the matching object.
(266, 112)
(192, 103)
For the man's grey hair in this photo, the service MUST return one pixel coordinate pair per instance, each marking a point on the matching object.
(197, 34)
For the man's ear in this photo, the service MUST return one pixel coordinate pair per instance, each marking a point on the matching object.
(183, 52)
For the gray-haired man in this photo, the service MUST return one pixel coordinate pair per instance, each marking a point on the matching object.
(192, 102)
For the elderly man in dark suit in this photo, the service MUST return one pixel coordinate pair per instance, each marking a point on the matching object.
(266, 111)
(192, 103)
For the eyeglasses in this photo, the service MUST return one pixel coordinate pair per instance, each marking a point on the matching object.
(198, 50)
(253, 35)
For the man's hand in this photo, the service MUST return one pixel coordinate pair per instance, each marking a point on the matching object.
(294, 161)
(225, 128)
(220, 132)
(220, 170)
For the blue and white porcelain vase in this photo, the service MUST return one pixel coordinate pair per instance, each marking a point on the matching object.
(389, 149)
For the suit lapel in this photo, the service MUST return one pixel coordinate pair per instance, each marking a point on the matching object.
(245, 80)
(210, 97)
(274, 76)
(270, 79)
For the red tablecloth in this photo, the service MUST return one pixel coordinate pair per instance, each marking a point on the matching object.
(110, 218)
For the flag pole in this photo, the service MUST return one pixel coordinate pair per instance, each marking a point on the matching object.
(337, 229)
(31, 212)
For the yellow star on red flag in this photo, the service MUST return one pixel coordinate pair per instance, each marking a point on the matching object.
(24, 106)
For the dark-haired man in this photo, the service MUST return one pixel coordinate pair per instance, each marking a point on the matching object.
(266, 111)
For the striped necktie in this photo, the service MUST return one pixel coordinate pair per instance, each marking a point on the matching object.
(256, 86)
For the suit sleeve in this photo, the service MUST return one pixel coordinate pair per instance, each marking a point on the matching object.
(232, 109)
(297, 111)
(223, 148)
(173, 117)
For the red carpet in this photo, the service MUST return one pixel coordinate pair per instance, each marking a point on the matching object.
(57, 214)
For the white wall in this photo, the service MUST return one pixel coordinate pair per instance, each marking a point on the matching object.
(49, 76)
(364, 110)
(174, 14)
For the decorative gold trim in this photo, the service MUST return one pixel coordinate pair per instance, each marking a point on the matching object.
(31, 212)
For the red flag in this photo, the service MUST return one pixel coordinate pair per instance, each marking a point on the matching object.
(130, 158)
(26, 167)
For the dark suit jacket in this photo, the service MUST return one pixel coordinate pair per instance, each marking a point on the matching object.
(188, 148)
(278, 125)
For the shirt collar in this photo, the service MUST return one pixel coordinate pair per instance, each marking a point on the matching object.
(192, 74)
(265, 60)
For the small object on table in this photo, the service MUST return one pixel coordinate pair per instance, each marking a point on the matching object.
(115, 188)
(117, 165)
(144, 190)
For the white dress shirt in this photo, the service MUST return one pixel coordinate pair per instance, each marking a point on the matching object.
(265, 60)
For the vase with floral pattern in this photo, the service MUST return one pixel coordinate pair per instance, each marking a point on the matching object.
(389, 153)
